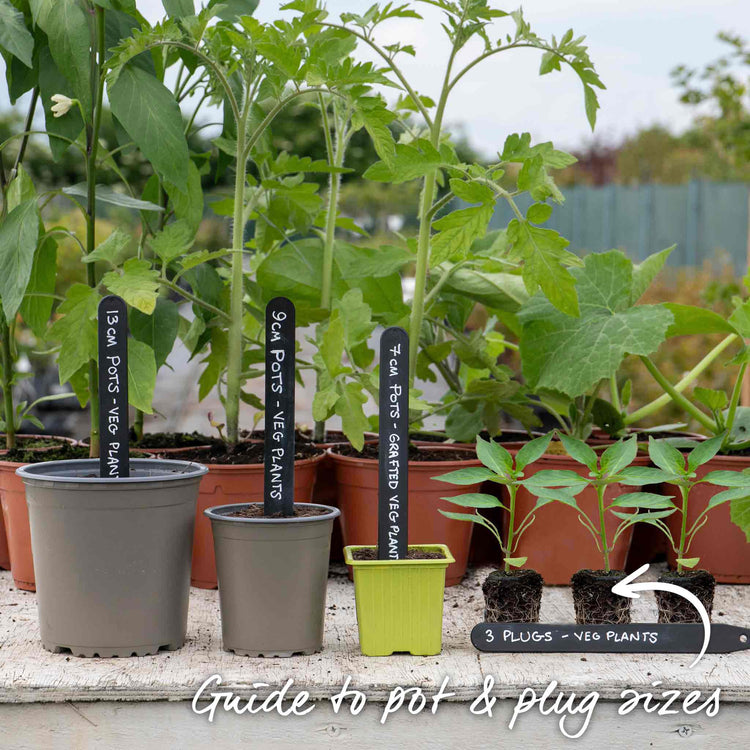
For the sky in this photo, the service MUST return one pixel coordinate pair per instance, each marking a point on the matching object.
(633, 43)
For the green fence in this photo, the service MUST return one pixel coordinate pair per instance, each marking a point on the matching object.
(701, 218)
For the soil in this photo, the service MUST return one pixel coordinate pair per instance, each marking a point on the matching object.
(512, 597)
(29, 443)
(594, 602)
(300, 511)
(412, 554)
(675, 608)
(300, 435)
(241, 454)
(370, 450)
(152, 440)
(64, 452)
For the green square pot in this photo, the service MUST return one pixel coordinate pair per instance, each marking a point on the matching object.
(400, 602)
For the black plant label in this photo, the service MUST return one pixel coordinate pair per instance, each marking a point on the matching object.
(278, 488)
(393, 466)
(113, 387)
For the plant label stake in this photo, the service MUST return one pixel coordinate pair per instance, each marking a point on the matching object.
(113, 388)
(393, 454)
(641, 638)
(278, 485)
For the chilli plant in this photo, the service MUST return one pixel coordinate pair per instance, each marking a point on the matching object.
(680, 471)
(605, 470)
(500, 467)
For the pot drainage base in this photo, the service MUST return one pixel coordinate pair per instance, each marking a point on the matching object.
(108, 652)
(270, 654)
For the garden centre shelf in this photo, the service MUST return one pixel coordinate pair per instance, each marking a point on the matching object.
(29, 675)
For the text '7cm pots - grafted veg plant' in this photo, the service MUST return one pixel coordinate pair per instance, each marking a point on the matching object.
(272, 557)
(398, 587)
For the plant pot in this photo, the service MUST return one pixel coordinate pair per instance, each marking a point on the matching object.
(112, 556)
(400, 602)
(677, 609)
(722, 547)
(273, 574)
(357, 480)
(557, 544)
(594, 602)
(512, 597)
(227, 484)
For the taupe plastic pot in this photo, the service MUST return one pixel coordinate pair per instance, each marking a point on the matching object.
(272, 575)
(112, 556)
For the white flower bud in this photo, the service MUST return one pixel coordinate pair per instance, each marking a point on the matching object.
(62, 104)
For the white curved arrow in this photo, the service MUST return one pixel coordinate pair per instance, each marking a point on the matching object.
(628, 587)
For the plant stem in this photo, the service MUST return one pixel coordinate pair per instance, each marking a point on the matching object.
(512, 491)
(683, 528)
(600, 490)
(678, 398)
(92, 144)
(234, 332)
(735, 400)
(7, 365)
(683, 383)
(614, 393)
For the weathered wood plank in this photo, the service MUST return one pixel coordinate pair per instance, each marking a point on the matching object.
(30, 674)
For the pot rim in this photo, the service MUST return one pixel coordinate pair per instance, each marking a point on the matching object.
(441, 562)
(217, 468)
(470, 456)
(215, 514)
(43, 472)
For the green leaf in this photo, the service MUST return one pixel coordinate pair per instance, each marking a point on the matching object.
(571, 355)
(111, 250)
(105, 194)
(606, 416)
(457, 231)
(158, 330)
(532, 451)
(727, 479)
(354, 423)
(372, 114)
(666, 456)
(689, 320)
(474, 500)
(462, 424)
(231, 10)
(172, 241)
(20, 190)
(472, 475)
(579, 451)
(409, 162)
(539, 213)
(646, 271)
(688, 562)
(67, 29)
(179, 8)
(150, 115)
(713, 399)
(187, 198)
(323, 403)
(515, 562)
(619, 455)
(498, 291)
(704, 452)
(76, 330)
(733, 494)
(331, 346)
(141, 375)
(554, 478)
(647, 500)
(15, 38)
(740, 515)
(19, 234)
(138, 284)
(36, 310)
(641, 476)
(472, 517)
(494, 457)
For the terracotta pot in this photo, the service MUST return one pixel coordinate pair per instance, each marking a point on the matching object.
(557, 544)
(14, 532)
(721, 546)
(242, 483)
(16, 520)
(357, 480)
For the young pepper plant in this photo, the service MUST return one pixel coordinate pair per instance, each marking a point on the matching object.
(605, 470)
(503, 469)
(678, 469)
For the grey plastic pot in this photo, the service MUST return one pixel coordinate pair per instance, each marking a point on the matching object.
(112, 556)
(272, 576)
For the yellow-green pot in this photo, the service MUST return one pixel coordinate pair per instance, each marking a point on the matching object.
(400, 602)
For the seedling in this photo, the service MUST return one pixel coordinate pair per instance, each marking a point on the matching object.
(679, 470)
(501, 468)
